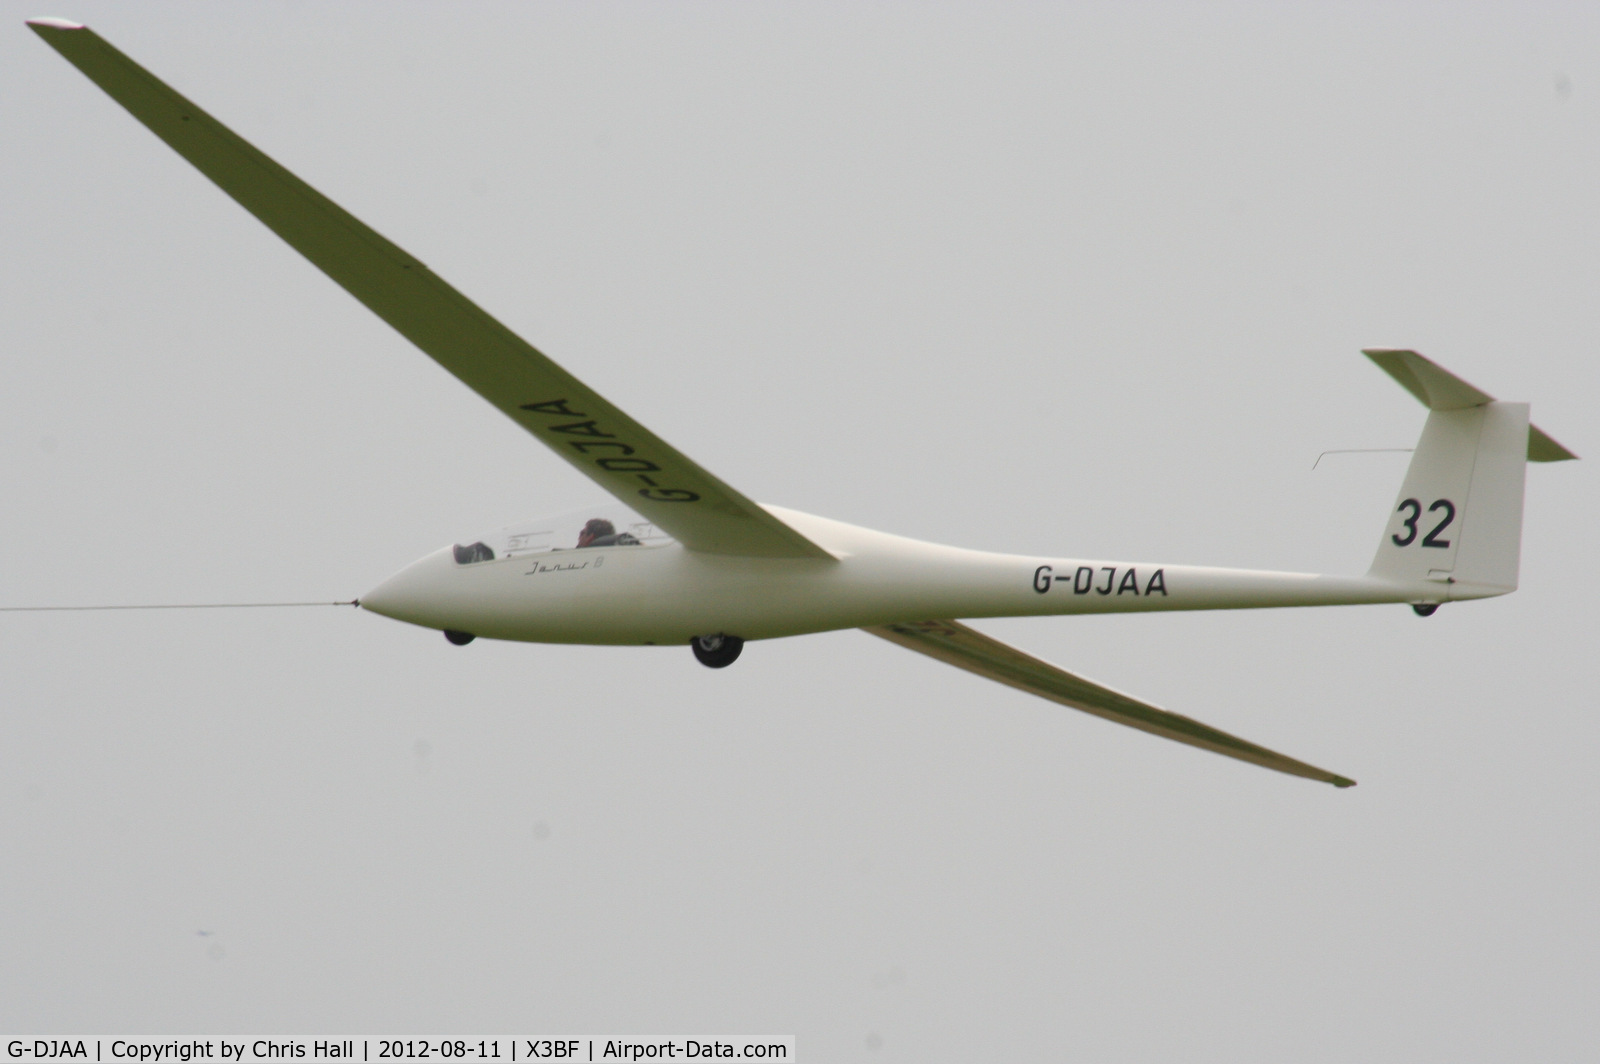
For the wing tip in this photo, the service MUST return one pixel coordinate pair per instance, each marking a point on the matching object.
(1341, 783)
(55, 24)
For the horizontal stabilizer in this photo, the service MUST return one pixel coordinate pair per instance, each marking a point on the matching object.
(955, 644)
(1439, 389)
(1542, 448)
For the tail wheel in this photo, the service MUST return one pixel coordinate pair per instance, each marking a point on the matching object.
(716, 651)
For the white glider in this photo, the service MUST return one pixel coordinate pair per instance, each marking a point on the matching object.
(688, 559)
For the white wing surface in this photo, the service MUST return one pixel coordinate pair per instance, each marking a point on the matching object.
(955, 644)
(622, 456)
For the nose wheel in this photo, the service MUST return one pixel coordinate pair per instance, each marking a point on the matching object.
(716, 651)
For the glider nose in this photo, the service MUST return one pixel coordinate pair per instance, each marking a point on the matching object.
(418, 593)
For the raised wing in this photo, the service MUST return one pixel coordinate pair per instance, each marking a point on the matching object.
(618, 453)
(955, 644)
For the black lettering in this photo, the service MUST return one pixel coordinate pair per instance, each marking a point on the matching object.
(1082, 580)
(555, 406)
(585, 446)
(1409, 524)
(627, 465)
(1157, 583)
(1041, 579)
(581, 428)
(1111, 574)
(1432, 538)
(669, 495)
(1130, 582)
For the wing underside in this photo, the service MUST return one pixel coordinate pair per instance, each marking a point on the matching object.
(604, 443)
(955, 644)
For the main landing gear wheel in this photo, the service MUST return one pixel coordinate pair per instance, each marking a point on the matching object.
(716, 651)
(1424, 609)
(460, 639)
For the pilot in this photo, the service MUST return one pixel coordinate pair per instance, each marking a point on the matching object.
(602, 533)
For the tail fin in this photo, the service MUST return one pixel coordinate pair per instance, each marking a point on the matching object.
(1458, 520)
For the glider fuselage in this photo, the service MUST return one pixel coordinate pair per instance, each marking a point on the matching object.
(665, 595)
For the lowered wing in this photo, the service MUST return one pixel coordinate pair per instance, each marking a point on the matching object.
(618, 453)
(955, 644)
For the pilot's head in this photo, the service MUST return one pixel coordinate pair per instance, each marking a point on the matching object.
(597, 527)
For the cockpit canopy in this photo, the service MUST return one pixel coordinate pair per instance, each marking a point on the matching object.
(606, 525)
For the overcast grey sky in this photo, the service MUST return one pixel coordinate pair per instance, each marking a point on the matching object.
(1048, 278)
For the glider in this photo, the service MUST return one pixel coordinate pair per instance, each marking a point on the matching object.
(686, 558)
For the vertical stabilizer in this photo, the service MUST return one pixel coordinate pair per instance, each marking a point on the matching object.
(1458, 520)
